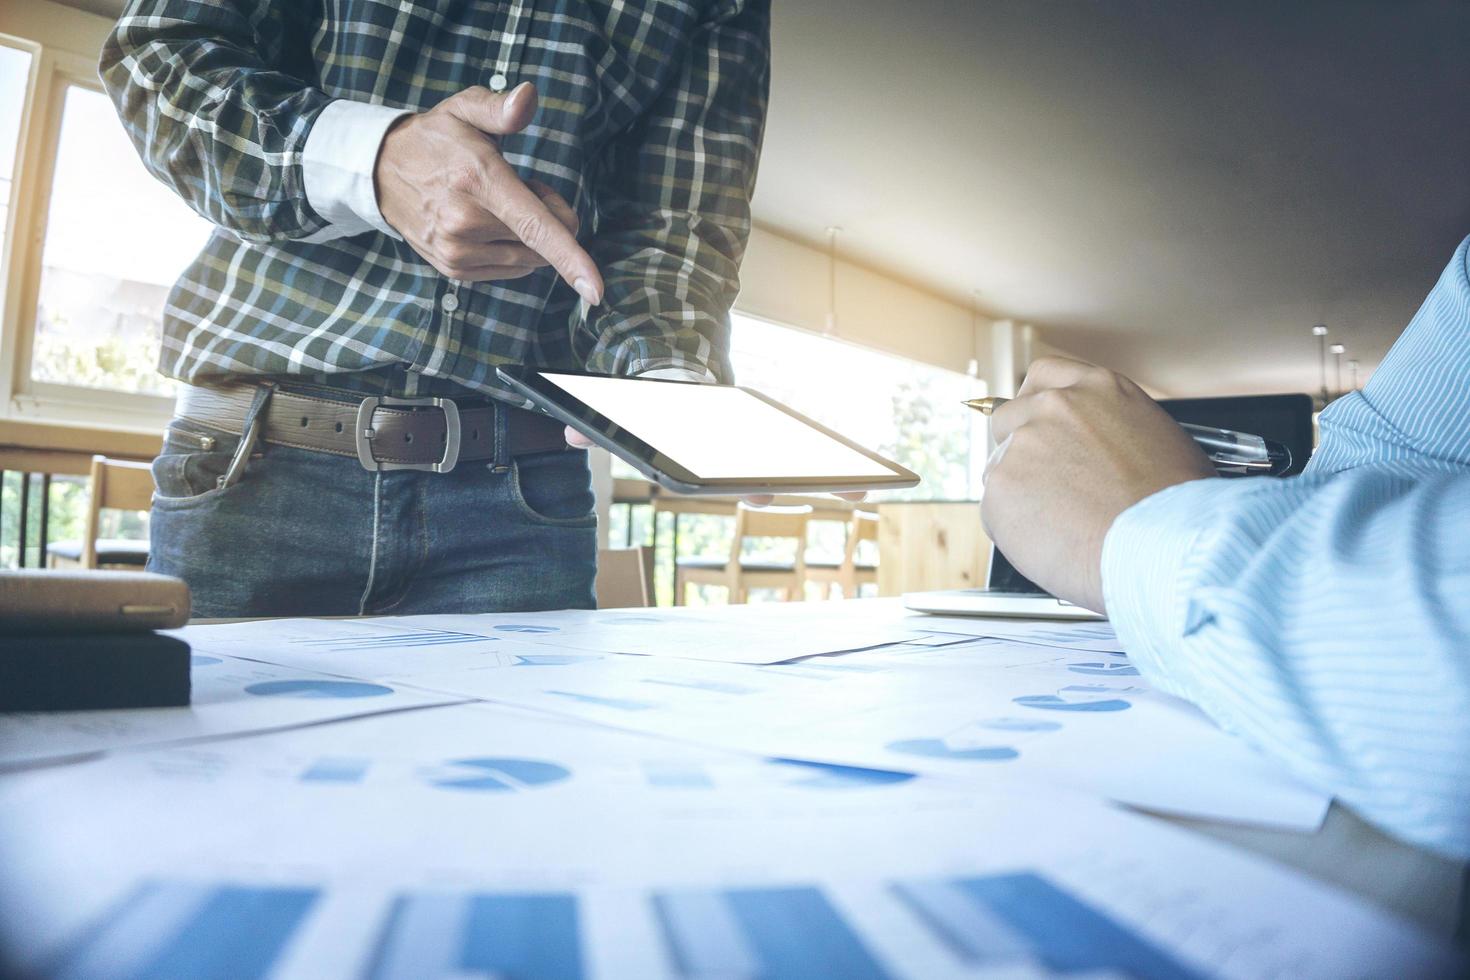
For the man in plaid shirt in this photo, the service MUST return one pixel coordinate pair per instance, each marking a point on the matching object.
(408, 195)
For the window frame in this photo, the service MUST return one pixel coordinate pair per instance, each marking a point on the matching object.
(53, 75)
(977, 435)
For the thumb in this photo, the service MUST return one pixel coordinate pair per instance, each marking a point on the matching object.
(495, 113)
(576, 440)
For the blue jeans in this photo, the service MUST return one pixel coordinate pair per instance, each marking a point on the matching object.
(305, 533)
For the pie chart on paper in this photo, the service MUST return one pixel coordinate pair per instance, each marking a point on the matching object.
(495, 775)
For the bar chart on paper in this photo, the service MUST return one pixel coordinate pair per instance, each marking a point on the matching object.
(200, 931)
(1027, 922)
(1023, 919)
(495, 775)
(505, 935)
(792, 932)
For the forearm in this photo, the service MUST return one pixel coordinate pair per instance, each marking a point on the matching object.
(661, 311)
(1328, 621)
(673, 207)
(206, 94)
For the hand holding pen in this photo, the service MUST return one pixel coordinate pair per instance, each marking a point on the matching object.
(1228, 450)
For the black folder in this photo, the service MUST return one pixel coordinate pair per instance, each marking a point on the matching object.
(64, 672)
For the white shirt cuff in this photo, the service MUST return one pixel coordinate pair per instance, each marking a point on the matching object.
(1147, 576)
(338, 161)
(678, 374)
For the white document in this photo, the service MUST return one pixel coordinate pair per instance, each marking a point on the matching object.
(229, 697)
(475, 841)
(891, 614)
(972, 710)
(378, 649)
(714, 634)
(1098, 637)
(406, 645)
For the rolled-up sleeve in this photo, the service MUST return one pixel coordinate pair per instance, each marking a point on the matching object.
(1327, 617)
(213, 95)
(673, 207)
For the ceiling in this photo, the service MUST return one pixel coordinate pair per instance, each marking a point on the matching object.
(1177, 189)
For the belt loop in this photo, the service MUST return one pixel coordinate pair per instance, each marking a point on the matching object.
(250, 436)
(502, 437)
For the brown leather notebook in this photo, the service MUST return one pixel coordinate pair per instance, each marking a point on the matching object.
(63, 601)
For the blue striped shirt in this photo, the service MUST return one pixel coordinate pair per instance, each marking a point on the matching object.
(1326, 618)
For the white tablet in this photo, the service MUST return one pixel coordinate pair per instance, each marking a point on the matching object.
(702, 438)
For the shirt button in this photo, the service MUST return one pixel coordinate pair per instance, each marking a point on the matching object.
(498, 82)
(449, 303)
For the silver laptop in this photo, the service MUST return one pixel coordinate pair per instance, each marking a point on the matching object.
(1007, 593)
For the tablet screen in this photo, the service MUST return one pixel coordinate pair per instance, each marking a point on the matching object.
(718, 432)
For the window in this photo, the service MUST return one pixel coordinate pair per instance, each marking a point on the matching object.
(15, 69)
(907, 411)
(116, 239)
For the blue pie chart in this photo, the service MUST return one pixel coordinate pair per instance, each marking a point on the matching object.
(495, 775)
(318, 689)
(827, 775)
(526, 628)
(1053, 703)
(935, 748)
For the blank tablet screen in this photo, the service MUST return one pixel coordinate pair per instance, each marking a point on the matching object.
(718, 432)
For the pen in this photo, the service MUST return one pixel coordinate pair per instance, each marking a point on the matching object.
(1226, 448)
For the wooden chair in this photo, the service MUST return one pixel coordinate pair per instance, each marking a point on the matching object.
(738, 574)
(116, 485)
(850, 574)
(624, 578)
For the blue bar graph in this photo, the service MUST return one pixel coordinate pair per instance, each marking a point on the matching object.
(394, 640)
(717, 687)
(313, 689)
(203, 932)
(1023, 917)
(677, 775)
(1123, 669)
(1052, 702)
(512, 936)
(771, 933)
(333, 769)
(621, 704)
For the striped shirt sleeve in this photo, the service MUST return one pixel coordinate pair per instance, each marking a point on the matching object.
(1326, 618)
(208, 97)
(673, 207)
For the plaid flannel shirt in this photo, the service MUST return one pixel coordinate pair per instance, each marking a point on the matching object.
(650, 123)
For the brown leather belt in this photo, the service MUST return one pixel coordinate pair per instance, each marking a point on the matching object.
(382, 432)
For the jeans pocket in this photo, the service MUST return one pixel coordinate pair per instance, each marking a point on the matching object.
(554, 488)
(194, 458)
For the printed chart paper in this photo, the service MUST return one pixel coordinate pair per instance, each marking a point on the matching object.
(230, 697)
(972, 709)
(472, 840)
(402, 646)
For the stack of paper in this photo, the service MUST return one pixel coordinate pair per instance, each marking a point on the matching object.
(785, 792)
(477, 841)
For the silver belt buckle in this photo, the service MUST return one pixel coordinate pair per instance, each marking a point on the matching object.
(366, 433)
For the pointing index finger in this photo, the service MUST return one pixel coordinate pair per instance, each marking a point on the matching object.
(515, 204)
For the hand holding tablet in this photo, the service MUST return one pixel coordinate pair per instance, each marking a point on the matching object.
(707, 439)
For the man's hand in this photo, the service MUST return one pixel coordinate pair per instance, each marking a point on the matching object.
(1076, 447)
(443, 185)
